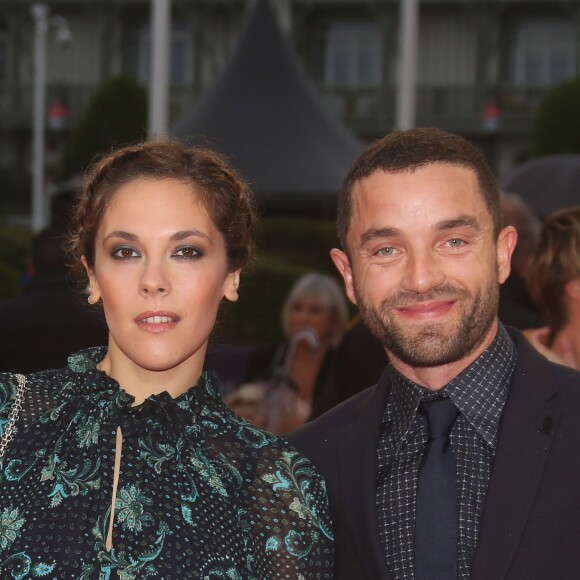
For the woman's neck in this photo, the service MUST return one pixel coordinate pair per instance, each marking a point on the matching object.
(141, 382)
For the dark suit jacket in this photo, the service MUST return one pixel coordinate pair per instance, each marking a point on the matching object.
(530, 527)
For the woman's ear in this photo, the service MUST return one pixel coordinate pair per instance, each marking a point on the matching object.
(94, 289)
(572, 289)
(231, 285)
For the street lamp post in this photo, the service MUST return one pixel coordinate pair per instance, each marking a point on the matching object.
(160, 60)
(39, 202)
(42, 22)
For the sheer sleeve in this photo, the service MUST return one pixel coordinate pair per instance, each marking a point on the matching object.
(8, 390)
(288, 517)
(40, 395)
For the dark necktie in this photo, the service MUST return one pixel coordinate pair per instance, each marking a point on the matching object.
(436, 513)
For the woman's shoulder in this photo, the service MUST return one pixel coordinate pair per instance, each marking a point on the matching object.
(36, 390)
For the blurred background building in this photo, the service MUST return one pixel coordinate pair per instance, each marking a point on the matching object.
(483, 66)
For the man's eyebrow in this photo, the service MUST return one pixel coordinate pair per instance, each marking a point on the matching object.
(177, 236)
(374, 233)
(459, 222)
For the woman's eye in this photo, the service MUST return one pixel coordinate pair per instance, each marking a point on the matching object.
(125, 253)
(187, 252)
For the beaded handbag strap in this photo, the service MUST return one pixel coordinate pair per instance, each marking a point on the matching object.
(8, 434)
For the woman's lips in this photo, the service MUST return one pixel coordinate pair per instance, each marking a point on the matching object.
(158, 321)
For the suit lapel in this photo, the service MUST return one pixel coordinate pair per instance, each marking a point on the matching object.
(528, 424)
(357, 476)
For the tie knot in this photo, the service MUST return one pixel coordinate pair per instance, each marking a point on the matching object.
(441, 414)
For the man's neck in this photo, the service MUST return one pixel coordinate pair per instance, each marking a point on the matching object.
(436, 377)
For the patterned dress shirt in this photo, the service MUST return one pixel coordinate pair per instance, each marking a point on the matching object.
(480, 393)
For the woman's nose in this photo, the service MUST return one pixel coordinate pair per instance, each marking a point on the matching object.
(154, 279)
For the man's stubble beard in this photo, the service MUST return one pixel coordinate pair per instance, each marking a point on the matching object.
(433, 344)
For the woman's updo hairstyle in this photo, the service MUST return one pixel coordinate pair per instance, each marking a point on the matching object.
(220, 189)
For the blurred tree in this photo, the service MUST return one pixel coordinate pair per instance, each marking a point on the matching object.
(115, 116)
(557, 126)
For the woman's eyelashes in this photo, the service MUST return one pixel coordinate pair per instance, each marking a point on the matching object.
(124, 253)
(181, 253)
(188, 253)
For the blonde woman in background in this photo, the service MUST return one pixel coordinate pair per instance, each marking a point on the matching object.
(297, 382)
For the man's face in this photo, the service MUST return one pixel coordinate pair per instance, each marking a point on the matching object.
(424, 267)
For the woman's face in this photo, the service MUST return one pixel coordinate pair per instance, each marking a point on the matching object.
(308, 313)
(161, 271)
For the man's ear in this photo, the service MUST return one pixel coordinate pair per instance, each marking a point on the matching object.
(506, 244)
(342, 263)
(94, 288)
(231, 285)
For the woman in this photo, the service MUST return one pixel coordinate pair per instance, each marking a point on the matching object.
(554, 280)
(299, 373)
(126, 463)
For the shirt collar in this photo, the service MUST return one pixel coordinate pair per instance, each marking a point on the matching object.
(479, 392)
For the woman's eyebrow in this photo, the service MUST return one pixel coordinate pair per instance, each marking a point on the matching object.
(182, 235)
(121, 234)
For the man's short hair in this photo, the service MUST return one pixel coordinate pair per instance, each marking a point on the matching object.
(408, 150)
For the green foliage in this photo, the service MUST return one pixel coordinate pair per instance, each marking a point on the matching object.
(557, 127)
(14, 249)
(115, 116)
(14, 191)
(287, 248)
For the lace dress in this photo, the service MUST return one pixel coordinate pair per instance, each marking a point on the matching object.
(201, 493)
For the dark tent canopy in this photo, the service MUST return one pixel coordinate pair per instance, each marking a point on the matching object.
(264, 113)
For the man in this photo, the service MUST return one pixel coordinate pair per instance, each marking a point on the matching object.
(49, 321)
(424, 254)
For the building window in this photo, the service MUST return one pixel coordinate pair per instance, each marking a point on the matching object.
(545, 53)
(353, 56)
(138, 53)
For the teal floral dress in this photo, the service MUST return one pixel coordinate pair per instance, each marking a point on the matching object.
(201, 493)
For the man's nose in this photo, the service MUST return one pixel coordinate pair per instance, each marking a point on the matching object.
(423, 272)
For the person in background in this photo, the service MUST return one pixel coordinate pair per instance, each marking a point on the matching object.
(126, 463)
(296, 382)
(462, 462)
(554, 279)
(49, 320)
(516, 307)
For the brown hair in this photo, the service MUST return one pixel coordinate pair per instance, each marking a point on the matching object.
(222, 191)
(555, 263)
(412, 149)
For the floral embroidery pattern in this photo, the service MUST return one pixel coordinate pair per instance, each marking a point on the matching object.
(131, 508)
(201, 492)
(10, 523)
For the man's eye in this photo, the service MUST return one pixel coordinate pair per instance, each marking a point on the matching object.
(455, 242)
(386, 251)
(124, 253)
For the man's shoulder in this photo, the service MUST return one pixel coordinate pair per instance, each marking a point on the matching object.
(323, 430)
